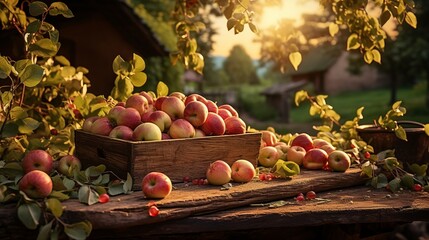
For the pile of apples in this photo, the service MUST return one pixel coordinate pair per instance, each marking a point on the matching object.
(306, 151)
(142, 117)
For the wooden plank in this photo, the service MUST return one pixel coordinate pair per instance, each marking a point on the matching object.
(129, 211)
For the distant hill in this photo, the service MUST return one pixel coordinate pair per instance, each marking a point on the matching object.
(218, 62)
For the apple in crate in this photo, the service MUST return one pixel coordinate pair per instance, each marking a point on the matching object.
(174, 107)
(211, 106)
(296, 154)
(224, 113)
(196, 113)
(122, 132)
(161, 119)
(86, 126)
(195, 97)
(68, 164)
(304, 140)
(138, 102)
(158, 102)
(37, 160)
(339, 161)
(36, 184)
(179, 95)
(235, 125)
(114, 113)
(268, 138)
(129, 117)
(147, 132)
(214, 125)
(101, 126)
(230, 108)
(315, 158)
(218, 173)
(243, 171)
(268, 156)
(156, 185)
(181, 128)
(148, 97)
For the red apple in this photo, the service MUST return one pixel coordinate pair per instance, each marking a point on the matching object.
(304, 140)
(161, 119)
(211, 106)
(218, 173)
(147, 132)
(268, 156)
(235, 125)
(179, 95)
(319, 142)
(114, 113)
(122, 104)
(181, 128)
(339, 161)
(195, 97)
(122, 132)
(146, 115)
(315, 158)
(224, 113)
(196, 113)
(156, 185)
(214, 125)
(230, 108)
(86, 126)
(148, 97)
(129, 117)
(243, 171)
(158, 102)
(137, 102)
(68, 164)
(174, 107)
(102, 126)
(165, 136)
(296, 154)
(268, 138)
(36, 184)
(328, 148)
(37, 160)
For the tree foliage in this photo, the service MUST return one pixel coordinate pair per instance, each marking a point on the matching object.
(239, 67)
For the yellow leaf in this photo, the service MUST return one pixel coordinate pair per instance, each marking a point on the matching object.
(368, 57)
(333, 29)
(352, 42)
(411, 19)
(161, 89)
(376, 55)
(295, 58)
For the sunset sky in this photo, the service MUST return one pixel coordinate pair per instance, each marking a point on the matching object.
(225, 39)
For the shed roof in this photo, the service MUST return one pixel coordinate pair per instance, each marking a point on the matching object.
(283, 87)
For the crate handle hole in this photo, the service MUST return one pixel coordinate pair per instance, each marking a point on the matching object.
(101, 153)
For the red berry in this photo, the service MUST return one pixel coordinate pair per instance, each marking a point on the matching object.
(367, 155)
(310, 195)
(201, 181)
(103, 198)
(195, 181)
(54, 132)
(300, 194)
(417, 187)
(186, 179)
(153, 211)
(269, 177)
(262, 176)
(299, 198)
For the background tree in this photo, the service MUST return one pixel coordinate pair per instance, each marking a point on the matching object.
(239, 67)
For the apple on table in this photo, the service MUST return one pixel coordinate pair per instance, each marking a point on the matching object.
(315, 158)
(36, 184)
(218, 173)
(68, 164)
(156, 185)
(242, 171)
(37, 159)
(268, 156)
(339, 161)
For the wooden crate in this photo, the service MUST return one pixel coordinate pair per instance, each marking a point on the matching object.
(177, 158)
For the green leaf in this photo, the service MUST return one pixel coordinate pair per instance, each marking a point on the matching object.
(55, 206)
(419, 170)
(231, 23)
(44, 47)
(128, 185)
(5, 68)
(286, 169)
(384, 17)
(62, 60)
(68, 183)
(253, 28)
(78, 231)
(87, 195)
(300, 96)
(295, 59)
(379, 181)
(116, 188)
(395, 184)
(59, 195)
(119, 65)
(138, 79)
(32, 75)
(54, 35)
(37, 8)
(28, 125)
(353, 42)
(45, 231)
(333, 29)
(29, 214)
(138, 63)
(401, 133)
(161, 89)
(94, 171)
(407, 181)
(57, 8)
(411, 19)
(34, 26)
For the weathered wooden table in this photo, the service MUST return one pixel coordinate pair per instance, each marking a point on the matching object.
(344, 209)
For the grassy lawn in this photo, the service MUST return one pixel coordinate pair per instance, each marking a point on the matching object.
(375, 103)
